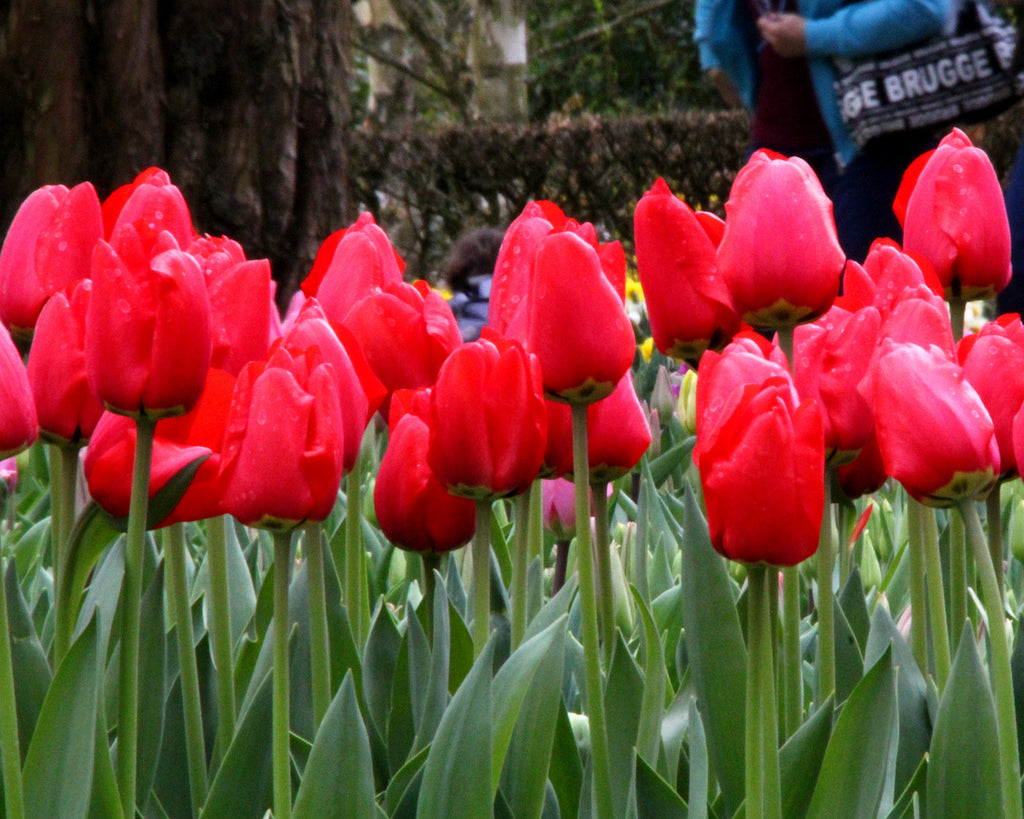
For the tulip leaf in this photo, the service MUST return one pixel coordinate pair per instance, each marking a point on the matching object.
(152, 677)
(89, 539)
(698, 790)
(58, 771)
(855, 766)
(655, 684)
(656, 798)
(403, 789)
(800, 760)
(401, 726)
(162, 502)
(912, 801)
(566, 769)
(433, 697)
(527, 696)
(666, 463)
(338, 779)
(848, 659)
(32, 676)
(380, 658)
(622, 718)
(243, 784)
(964, 764)
(855, 608)
(457, 778)
(912, 694)
(104, 801)
(716, 651)
(241, 594)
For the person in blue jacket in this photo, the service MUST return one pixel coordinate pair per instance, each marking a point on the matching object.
(775, 57)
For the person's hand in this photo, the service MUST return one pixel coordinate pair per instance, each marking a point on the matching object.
(784, 33)
(718, 78)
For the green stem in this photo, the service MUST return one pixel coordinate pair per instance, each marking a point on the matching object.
(280, 744)
(131, 596)
(520, 561)
(602, 554)
(1000, 673)
(535, 594)
(10, 749)
(826, 612)
(431, 563)
(320, 653)
(957, 311)
(195, 749)
(792, 676)
(994, 516)
(481, 577)
(220, 631)
(762, 749)
(957, 571)
(593, 682)
(64, 510)
(937, 600)
(918, 617)
(844, 548)
(356, 594)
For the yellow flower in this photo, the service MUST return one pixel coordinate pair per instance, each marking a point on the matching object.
(634, 291)
(647, 348)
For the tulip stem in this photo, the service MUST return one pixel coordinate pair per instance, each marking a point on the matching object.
(195, 750)
(994, 517)
(937, 600)
(762, 749)
(602, 554)
(64, 514)
(319, 645)
(131, 596)
(356, 594)
(957, 568)
(917, 532)
(520, 562)
(481, 577)
(957, 312)
(593, 682)
(281, 719)
(10, 749)
(826, 612)
(220, 631)
(792, 676)
(1000, 672)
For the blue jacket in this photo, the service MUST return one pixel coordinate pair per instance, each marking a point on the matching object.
(727, 38)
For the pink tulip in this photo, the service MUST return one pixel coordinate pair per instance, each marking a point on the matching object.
(18, 426)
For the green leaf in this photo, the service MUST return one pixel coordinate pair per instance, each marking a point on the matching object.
(854, 603)
(698, 790)
(162, 503)
(566, 769)
(717, 653)
(152, 684)
(338, 779)
(800, 761)
(655, 798)
(244, 781)
(849, 661)
(524, 773)
(854, 770)
(667, 462)
(404, 787)
(58, 770)
(457, 778)
(89, 539)
(655, 685)
(624, 695)
(963, 765)
(380, 656)
(32, 676)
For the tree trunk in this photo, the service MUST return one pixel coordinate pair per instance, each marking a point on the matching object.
(497, 60)
(244, 102)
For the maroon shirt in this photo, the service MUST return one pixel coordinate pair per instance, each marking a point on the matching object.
(786, 112)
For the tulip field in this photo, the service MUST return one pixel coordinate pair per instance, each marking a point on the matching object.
(729, 528)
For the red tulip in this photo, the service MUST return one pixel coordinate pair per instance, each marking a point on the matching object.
(993, 362)
(955, 216)
(934, 433)
(147, 339)
(18, 426)
(886, 273)
(68, 411)
(282, 454)
(919, 317)
(618, 435)
(865, 473)
(832, 355)
(414, 509)
(510, 286)
(779, 255)
(747, 359)
(352, 263)
(762, 472)
(153, 205)
(487, 420)
(241, 296)
(311, 328)
(48, 247)
(178, 443)
(406, 332)
(578, 327)
(688, 303)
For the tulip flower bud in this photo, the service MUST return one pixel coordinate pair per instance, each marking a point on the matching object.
(687, 405)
